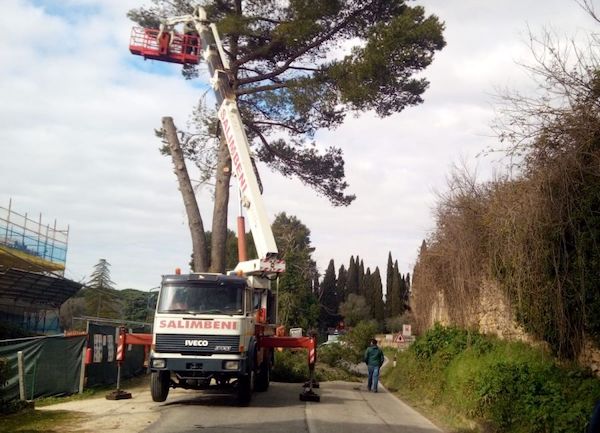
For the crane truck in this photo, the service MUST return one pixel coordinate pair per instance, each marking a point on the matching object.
(218, 330)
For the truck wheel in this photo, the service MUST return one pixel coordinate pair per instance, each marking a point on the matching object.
(159, 385)
(263, 378)
(244, 389)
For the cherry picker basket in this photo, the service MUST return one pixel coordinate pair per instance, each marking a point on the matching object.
(169, 47)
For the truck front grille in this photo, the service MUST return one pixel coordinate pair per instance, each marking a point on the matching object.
(187, 344)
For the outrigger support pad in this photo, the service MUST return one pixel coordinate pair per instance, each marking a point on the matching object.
(314, 382)
(118, 394)
(308, 394)
(309, 343)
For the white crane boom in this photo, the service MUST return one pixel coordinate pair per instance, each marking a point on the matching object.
(238, 145)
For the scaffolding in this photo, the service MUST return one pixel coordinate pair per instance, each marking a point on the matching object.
(32, 242)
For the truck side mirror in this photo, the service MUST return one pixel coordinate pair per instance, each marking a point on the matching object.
(152, 299)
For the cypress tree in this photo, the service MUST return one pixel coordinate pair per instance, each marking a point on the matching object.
(395, 308)
(403, 294)
(328, 316)
(388, 285)
(361, 278)
(316, 286)
(341, 285)
(352, 281)
(377, 296)
(366, 284)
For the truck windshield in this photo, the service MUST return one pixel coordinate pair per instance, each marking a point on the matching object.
(201, 299)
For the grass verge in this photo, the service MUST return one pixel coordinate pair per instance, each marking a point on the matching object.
(98, 391)
(37, 421)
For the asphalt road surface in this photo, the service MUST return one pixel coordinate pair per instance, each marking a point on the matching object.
(344, 408)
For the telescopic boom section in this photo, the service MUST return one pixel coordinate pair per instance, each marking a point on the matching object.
(235, 135)
(247, 182)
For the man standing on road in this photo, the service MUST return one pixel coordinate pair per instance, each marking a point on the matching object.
(374, 361)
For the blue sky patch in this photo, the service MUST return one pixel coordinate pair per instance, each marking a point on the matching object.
(68, 11)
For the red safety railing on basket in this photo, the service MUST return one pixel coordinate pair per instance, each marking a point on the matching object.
(170, 47)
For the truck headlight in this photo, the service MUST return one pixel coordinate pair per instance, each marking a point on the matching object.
(231, 365)
(159, 363)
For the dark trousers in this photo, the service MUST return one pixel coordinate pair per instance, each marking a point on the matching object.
(373, 378)
(594, 426)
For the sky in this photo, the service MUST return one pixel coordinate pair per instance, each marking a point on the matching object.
(77, 144)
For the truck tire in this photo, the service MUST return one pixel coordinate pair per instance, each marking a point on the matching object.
(244, 389)
(159, 385)
(263, 378)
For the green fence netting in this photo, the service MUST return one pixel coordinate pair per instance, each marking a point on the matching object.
(52, 366)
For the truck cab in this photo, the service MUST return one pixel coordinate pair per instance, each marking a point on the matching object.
(204, 336)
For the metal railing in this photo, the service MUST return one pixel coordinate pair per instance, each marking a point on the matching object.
(31, 237)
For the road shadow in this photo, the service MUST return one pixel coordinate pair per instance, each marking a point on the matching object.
(272, 398)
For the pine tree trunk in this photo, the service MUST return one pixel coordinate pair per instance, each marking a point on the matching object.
(219, 223)
(199, 246)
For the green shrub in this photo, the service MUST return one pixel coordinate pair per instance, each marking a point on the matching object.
(357, 340)
(524, 397)
(334, 354)
(448, 342)
(290, 366)
(505, 386)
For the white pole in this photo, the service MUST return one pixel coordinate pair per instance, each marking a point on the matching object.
(82, 372)
(21, 367)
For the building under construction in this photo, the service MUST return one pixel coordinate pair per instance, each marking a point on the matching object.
(32, 263)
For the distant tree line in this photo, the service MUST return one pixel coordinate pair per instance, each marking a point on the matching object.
(355, 294)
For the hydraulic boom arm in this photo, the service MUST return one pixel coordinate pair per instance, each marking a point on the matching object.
(237, 143)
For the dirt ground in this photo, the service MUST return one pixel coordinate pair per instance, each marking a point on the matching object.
(102, 415)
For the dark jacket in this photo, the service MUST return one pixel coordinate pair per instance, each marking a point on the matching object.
(373, 356)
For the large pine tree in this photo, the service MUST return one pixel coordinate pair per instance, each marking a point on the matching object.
(291, 78)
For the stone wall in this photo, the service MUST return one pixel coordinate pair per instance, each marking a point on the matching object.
(494, 316)
(590, 357)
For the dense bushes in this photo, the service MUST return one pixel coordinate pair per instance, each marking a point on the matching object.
(290, 366)
(535, 231)
(506, 387)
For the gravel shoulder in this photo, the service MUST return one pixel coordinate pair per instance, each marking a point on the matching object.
(98, 414)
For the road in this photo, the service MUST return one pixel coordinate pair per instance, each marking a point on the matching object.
(344, 408)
